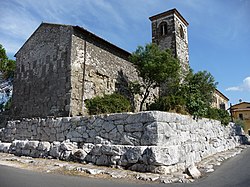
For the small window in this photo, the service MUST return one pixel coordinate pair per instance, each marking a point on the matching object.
(181, 32)
(241, 116)
(223, 106)
(163, 28)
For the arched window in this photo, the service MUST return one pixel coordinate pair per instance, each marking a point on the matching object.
(181, 32)
(163, 28)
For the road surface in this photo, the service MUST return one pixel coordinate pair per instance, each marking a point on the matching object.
(233, 173)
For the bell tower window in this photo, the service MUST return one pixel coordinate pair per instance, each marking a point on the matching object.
(181, 32)
(163, 29)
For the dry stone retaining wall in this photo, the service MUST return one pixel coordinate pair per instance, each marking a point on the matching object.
(147, 141)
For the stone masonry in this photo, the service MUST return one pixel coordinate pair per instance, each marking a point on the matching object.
(42, 84)
(147, 141)
(60, 66)
(169, 31)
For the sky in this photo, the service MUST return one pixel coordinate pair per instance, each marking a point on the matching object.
(218, 32)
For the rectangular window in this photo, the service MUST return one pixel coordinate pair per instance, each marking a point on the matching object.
(223, 106)
(241, 116)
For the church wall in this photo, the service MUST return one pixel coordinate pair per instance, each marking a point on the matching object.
(42, 82)
(105, 71)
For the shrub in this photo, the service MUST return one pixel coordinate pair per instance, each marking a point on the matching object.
(114, 103)
(172, 103)
(218, 114)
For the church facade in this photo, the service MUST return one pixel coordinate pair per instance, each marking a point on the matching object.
(60, 66)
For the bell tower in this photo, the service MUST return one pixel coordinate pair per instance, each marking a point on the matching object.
(169, 30)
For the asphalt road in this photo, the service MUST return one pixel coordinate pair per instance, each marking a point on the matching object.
(233, 173)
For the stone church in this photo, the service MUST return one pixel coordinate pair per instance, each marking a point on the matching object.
(60, 66)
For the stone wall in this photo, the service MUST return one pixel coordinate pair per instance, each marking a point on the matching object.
(42, 78)
(60, 66)
(105, 71)
(147, 141)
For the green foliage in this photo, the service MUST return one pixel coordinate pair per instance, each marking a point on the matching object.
(7, 66)
(197, 90)
(155, 67)
(114, 103)
(218, 114)
(171, 103)
(193, 96)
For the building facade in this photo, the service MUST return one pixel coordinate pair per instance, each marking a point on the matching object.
(241, 111)
(220, 101)
(60, 66)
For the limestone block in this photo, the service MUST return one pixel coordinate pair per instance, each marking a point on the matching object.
(85, 135)
(25, 152)
(112, 150)
(31, 145)
(4, 147)
(127, 139)
(92, 133)
(150, 135)
(68, 146)
(194, 172)
(161, 156)
(119, 116)
(20, 144)
(78, 155)
(43, 146)
(114, 160)
(81, 129)
(87, 147)
(120, 128)
(73, 134)
(141, 117)
(108, 126)
(96, 150)
(98, 122)
(55, 150)
(99, 140)
(103, 160)
(60, 137)
(114, 135)
(132, 155)
(135, 127)
(65, 155)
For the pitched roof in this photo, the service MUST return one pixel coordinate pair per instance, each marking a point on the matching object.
(240, 104)
(221, 94)
(125, 53)
(89, 34)
(170, 12)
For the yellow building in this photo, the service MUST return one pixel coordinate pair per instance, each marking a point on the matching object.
(242, 111)
(220, 101)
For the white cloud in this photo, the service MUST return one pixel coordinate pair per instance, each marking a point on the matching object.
(245, 86)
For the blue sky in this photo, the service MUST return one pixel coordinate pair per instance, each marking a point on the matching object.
(219, 30)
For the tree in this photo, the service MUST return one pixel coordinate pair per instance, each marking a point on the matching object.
(7, 66)
(155, 67)
(198, 89)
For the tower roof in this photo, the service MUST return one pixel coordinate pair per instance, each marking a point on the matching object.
(167, 13)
